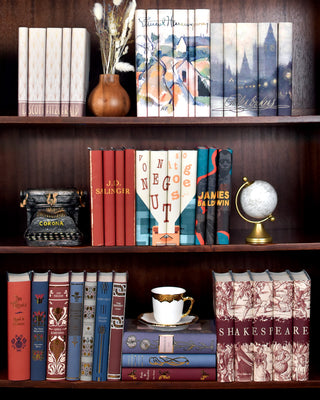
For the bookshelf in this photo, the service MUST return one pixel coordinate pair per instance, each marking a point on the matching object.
(52, 152)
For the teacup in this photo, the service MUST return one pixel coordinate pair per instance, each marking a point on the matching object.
(167, 303)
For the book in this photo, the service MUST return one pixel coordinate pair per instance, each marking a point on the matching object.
(202, 187)
(199, 337)
(53, 72)
(202, 62)
(169, 374)
(96, 197)
(243, 338)
(268, 67)
(23, 36)
(173, 197)
(58, 309)
(75, 319)
(36, 71)
(247, 69)
(262, 325)
(102, 326)
(141, 61)
(118, 306)
(301, 325)
(224, 316)
(188, 196)
(230, 69)
(39, 321)
(216, 69)
(142, 197)
(120, 194)
(80, 66)
(18, 325)
(109, 197)
(159, 360)
(224, 186)
(152, 63)
(89, 313)
(211, 195)
(282, 325)
(192, 86)
(65, 71)
(285, 51)
(129, 200)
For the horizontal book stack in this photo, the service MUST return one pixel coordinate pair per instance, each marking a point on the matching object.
(160, 197)
(151, 354)
(263, 325)
(53, 71)
(65, 326)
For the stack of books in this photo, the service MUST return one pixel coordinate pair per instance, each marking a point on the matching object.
(151, 354)
(263, 325)
(65, 326)
(160, 197)
(53, 71)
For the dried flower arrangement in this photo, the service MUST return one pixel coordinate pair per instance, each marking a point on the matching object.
(114, 27)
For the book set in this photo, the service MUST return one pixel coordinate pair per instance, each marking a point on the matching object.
(263, 325)
(53, 71)
(160, 197)
(65, 326)
(187, 66)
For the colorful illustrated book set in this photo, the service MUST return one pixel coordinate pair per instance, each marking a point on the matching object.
(187, 66)
(160, 197)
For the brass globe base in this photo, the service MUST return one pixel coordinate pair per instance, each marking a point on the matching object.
(258, 235)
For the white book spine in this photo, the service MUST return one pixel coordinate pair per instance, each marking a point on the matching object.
(285, 68)
(142, 197)
(152, 63)
(191, 67)
(65, 71)
(23, 72)
(141, 62)
(174, 195)
(216, 69)
(230, 69)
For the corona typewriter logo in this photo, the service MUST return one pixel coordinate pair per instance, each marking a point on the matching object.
(19, 342)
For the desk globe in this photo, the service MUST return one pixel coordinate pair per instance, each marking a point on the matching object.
(258, 200)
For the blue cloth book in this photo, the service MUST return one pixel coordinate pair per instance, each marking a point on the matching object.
(169, 360)
(202, 187)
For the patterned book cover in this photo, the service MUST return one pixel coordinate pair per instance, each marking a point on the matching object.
(36, 71)
(168, 360)
(58, 309)
(109, 197)
(89, 313)
(230, 69)
(262, 323)
(191, 67)
(158, 197)
(39, 320)
(211, 195)
(152, 63)
(75, 325)
(202, 187)
(129, 199)
(102, 326)
(18, 328)
(202, 63)
(247, 69)
(118, 308)
(188, 196)
(53, 72)
(165, 62)
(285, 68)
(199, 337)
(23, 35)
(65, 71)
(243, 338)
(173, 199)
(216, 69)
(96, 197)
(224, 313)
(120, 188)
(301, 325)
(282, 326)
(142, 197)
(169, 374)
(224, 185)
(141, 61)
(268, 67)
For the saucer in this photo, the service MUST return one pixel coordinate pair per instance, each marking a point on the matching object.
(148, 319)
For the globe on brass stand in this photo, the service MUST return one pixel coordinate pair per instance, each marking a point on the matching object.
(258, 199)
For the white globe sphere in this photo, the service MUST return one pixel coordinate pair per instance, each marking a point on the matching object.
(259, 199)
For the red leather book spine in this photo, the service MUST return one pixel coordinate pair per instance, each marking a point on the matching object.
(168, 374)
(130, 210)
(119, 293)
(109, 198)
(96, 197)
(58, 307)
(120, 189)
(19, 298)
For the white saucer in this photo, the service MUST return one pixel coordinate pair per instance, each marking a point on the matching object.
(148, 319)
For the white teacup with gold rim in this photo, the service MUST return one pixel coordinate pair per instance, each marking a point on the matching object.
(168, 302)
